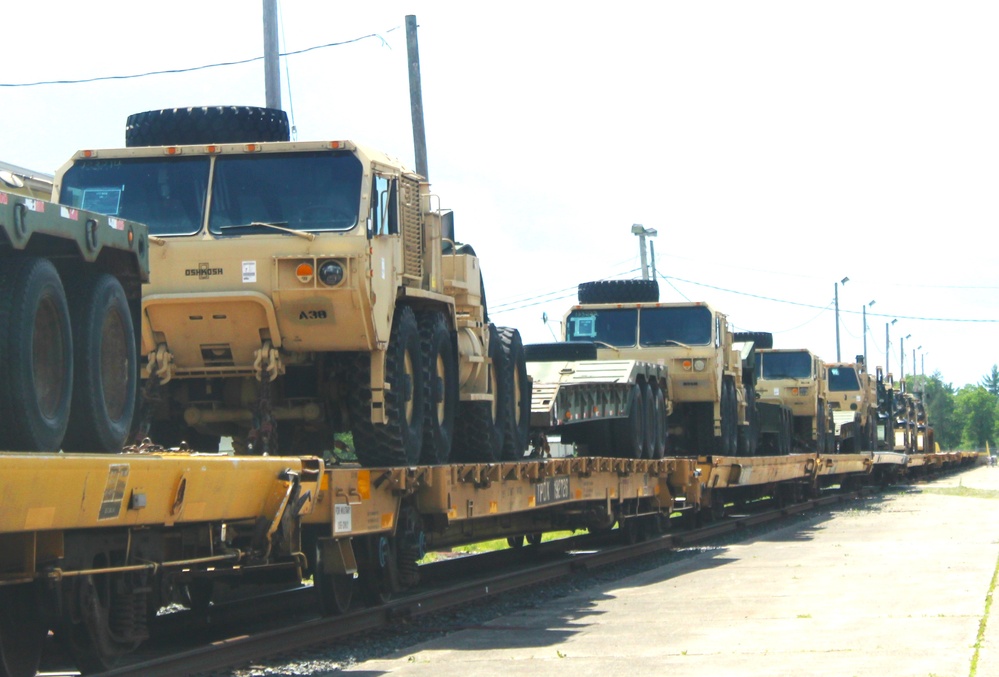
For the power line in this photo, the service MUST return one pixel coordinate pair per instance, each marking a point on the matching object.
(193, 68)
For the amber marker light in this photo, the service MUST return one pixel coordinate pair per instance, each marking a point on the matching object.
(687, 365)
(304, 272)
(88, 153)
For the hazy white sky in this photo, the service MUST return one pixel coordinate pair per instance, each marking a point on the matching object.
(777, 147)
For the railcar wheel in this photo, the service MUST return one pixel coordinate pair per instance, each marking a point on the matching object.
(111, 622)
(105, 370)
(534, 539)
(21, 632)
(442, 389)
(379, 575)
(36, 354)
(515, 541)
(334, 591)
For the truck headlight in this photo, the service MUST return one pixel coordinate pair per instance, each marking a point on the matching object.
(331, 273)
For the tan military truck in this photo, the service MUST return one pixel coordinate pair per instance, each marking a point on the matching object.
(710, 372)
(853, 400)
(796, 378)
(300, 289)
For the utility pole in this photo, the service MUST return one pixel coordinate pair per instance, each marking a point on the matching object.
(416, 98)
(836, 303)
(887, 350)
(272, 58)
(652, 252)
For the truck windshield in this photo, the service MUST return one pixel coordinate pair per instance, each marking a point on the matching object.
(792, 364)
(166, 195)
(616, 327)
(686, 325)
(318, 191)
(843, 378)
(315, 191)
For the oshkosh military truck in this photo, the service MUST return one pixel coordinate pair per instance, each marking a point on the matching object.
(852, 394)
(710, 371)
(796, 378)
(299, 289)
(70, 287)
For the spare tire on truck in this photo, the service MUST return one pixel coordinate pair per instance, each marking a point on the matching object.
(206, 124)
(619, 291)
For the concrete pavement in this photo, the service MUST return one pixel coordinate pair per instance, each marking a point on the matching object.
(889, 586)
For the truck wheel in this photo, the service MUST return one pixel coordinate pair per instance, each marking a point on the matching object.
(206, 124)
(727, 444)
(36, 356)
(659, 422)
(628, 434)
(515, 395)
(749, 435)
(442, 389)
(398, 441)
(618, 291)
(480, 427)
(648, 422)
(105, 370)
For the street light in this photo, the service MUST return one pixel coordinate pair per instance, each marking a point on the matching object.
(642, 232)
(836, 302)
(901, 356)
(888, 346)
(864, 309)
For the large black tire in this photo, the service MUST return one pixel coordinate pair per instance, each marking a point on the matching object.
(727, 443)
(760, 339)
(619, 291)
(442, 389)
(648, 421)
(479, 431)
(105, 368)
(515, 395)
(749, 435)
(628, 434)
(659, 423)
(36, 356)
(398, 441)
(206, 124)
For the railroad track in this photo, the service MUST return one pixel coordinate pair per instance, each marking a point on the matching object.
(552, 561)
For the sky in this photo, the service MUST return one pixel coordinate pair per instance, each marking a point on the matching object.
(775, 147)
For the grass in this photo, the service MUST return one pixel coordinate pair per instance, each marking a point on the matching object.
(984, 622)
(489, 546)
(963, 491)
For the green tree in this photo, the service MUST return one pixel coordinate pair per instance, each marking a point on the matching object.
(976, 410)
(991, 381)
(938, 397)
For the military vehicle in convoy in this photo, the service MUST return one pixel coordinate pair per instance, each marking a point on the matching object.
(852, 394)
(796, 378)
(902, 422)
(300, 289)
(710, 377)
(70, 288)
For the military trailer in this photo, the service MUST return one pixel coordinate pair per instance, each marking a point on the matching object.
(302, 289)
(70, 284)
